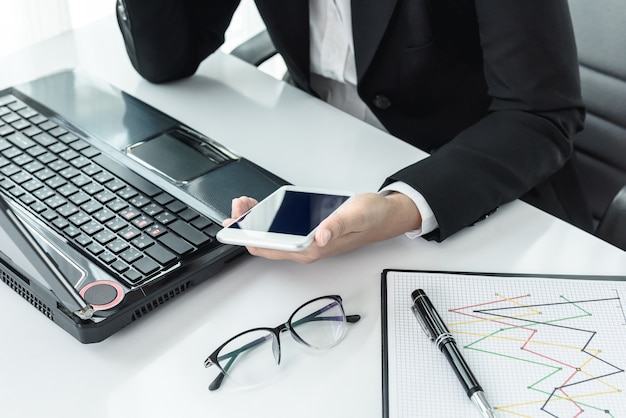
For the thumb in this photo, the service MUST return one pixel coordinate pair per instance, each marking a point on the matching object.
(329, 229)
(323, 236)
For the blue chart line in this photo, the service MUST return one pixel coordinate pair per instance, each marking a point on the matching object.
(558, 345)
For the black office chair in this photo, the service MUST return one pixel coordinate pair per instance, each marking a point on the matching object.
(601, 147)
(257, 50)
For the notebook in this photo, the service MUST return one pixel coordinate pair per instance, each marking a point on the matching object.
(109, 204)
(539, 345)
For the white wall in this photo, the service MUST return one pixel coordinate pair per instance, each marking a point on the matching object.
(25, 22)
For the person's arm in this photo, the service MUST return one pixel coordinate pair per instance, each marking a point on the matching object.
(168, 39)
(531, 70)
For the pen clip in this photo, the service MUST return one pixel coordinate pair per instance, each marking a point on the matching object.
(420, 320)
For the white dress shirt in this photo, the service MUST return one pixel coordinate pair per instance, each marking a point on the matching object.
(333, 77)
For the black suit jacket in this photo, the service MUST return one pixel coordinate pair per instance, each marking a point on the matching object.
(489, 87)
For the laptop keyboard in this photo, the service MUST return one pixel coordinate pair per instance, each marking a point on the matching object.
(122, 222)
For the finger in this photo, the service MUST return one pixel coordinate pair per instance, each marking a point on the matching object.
(241, 205)
(238, 207)
(337, 225)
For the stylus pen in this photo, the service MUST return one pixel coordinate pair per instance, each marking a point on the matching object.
(437, 331)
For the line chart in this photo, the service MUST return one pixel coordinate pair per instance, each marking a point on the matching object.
(554, 336)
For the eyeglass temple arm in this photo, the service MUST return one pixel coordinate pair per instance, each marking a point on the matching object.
(217, 382)
(349, 318)
(353, 318)
(314, 316)
(233, 354)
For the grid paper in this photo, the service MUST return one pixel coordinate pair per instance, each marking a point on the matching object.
(539, 346)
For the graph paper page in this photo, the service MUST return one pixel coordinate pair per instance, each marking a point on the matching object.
(540, 347)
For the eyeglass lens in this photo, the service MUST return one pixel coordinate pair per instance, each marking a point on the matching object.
(319, 324)
(251, 357)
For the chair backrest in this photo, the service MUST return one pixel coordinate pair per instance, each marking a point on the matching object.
(600, 27)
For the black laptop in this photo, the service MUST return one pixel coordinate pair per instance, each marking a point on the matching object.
(109, 207)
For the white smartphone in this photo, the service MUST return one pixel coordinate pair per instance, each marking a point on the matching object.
(285, 220)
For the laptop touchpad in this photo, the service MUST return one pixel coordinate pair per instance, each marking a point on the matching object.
(179, 155)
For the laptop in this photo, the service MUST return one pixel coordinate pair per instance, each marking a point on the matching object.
(109, 207)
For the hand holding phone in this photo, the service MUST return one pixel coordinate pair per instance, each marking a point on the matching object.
(285, 220)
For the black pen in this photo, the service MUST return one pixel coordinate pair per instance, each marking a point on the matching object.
(438, 332)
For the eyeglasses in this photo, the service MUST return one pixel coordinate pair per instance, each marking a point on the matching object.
(254, 355)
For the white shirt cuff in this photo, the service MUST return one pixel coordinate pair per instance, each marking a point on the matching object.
(429, 222)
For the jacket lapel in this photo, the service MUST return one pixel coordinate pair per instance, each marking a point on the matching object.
(369, 22)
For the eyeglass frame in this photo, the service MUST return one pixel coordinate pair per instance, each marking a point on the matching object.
(212, 359)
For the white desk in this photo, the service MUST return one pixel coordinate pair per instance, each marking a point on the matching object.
(154, 367)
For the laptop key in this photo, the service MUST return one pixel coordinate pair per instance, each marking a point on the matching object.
(132, 276)
(95, 249)
(176, 244)
(212, 229)
(161, 254)
(117, 246)
(201, 222)
(20, 140)
(146, 266)
(107, 257)
(119, 266)
(188, 232)
(165, 217)
(142, 242)
(130, 255)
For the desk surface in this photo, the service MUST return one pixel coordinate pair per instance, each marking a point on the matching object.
(154, 366)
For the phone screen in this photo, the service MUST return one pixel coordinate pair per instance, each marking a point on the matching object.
(290, 212)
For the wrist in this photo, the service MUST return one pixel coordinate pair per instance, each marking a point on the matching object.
(405, 211)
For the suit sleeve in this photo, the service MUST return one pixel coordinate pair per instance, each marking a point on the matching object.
(531, 71)
(168, 39)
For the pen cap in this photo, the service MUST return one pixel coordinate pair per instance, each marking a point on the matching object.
(428, 316)
(421, 321)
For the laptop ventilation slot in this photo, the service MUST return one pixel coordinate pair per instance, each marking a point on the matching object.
(26, 294)
(160, 300)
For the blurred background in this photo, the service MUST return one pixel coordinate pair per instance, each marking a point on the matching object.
(26, 22)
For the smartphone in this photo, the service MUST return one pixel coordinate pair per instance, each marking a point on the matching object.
(285, 220)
